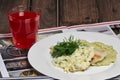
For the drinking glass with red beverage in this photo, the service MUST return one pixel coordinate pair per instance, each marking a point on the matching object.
(24, 23)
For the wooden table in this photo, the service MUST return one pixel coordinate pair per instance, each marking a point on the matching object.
(65, 12)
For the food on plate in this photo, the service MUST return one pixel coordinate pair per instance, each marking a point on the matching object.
(78, 55)
(107, 52)
(67, 47)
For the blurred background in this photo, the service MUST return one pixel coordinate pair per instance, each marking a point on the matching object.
(57, 13)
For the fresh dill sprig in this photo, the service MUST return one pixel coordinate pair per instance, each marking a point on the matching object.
(65, 48)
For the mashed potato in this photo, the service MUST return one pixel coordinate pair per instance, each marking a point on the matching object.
(78, 61)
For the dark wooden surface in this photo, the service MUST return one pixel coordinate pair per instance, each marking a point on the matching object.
(48, 12)
(65, 12)
(78, 12)
(109, 10)
(74, 12)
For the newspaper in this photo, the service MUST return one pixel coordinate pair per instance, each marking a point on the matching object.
(18, 67)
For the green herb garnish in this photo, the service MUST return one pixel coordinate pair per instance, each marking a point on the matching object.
(65, 48)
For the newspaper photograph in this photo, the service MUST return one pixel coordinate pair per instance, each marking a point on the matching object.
(116, 29)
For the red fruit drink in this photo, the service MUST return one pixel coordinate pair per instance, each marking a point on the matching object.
(24, 26)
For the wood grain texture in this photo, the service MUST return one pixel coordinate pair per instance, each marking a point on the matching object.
(71, 12)
(48, 12)
(5, 5)
(74, 12)
(109, 10)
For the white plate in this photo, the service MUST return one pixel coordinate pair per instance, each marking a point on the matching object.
(40, 58)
